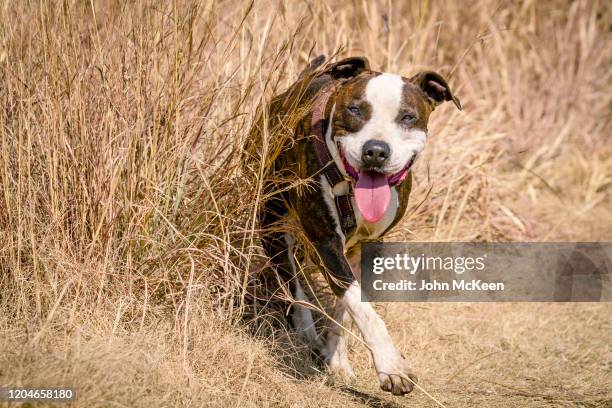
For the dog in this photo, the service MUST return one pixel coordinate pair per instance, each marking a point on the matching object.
(356, 133)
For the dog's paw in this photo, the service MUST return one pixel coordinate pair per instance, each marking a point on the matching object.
(335, 357)
(338, 365)
(395, 375)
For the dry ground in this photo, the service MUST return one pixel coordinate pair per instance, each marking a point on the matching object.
(126, 221)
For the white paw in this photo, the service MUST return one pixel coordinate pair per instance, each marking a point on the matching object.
(395, 374)
(338, 364)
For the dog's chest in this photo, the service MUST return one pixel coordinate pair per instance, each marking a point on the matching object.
(365, 230)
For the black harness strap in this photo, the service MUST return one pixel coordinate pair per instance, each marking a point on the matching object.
(328, 167)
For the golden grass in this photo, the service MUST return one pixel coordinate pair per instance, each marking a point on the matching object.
(127, 224)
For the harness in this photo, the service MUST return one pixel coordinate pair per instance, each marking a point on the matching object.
(328, 166)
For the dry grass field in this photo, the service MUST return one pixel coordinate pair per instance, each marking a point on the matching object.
(127, 222)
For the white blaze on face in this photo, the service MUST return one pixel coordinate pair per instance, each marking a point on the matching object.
(384, 93)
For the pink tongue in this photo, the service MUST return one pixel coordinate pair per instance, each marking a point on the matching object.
(373, 195)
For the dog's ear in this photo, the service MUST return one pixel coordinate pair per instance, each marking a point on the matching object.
(348, 67)
(312, 66)
(435, 87)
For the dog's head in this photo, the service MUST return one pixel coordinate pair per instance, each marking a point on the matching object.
(379, 124)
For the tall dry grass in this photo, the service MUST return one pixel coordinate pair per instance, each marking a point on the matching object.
(127, 225)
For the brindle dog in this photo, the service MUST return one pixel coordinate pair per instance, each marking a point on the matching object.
(374, 126)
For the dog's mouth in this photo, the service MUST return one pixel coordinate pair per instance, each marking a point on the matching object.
(373, 188)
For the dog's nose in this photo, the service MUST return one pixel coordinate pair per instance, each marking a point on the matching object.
(375, 153)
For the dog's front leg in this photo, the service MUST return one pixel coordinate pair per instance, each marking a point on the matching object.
(336, 346)
(394, 372)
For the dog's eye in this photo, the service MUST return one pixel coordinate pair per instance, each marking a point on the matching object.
(407, 118)
(354, 110)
